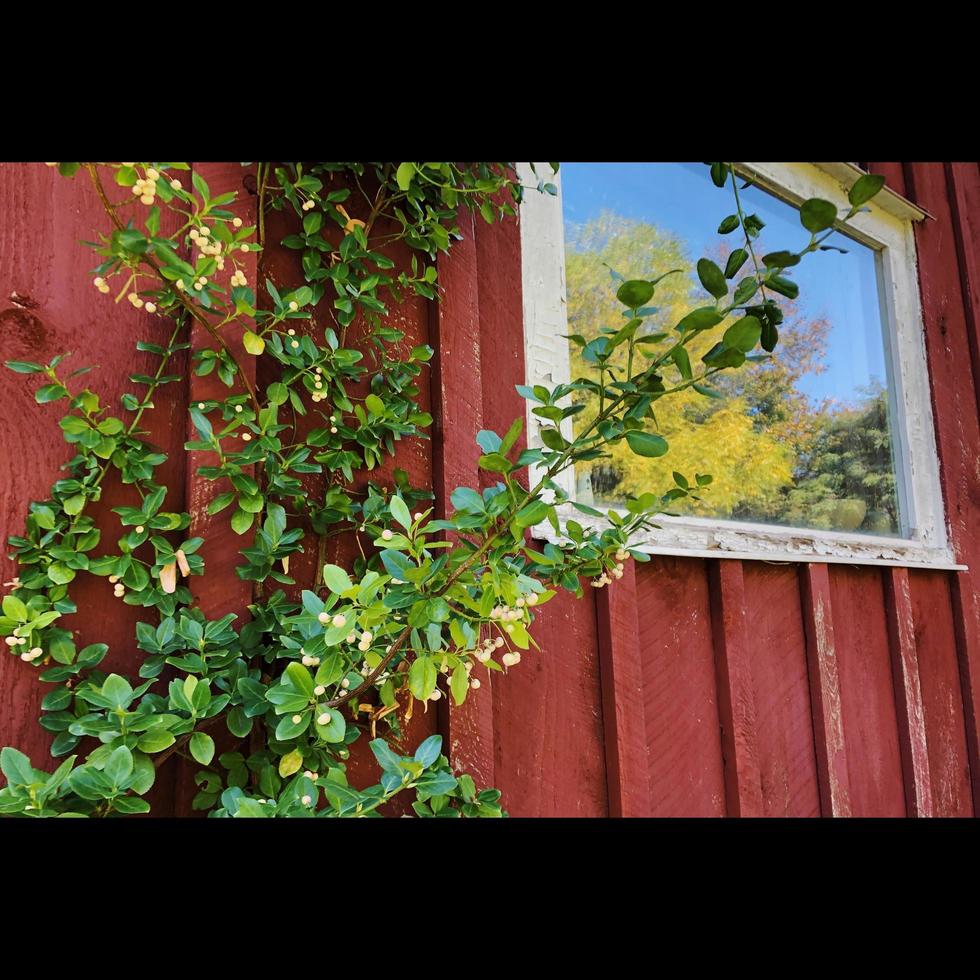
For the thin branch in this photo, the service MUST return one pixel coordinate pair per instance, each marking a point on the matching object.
(186, 303)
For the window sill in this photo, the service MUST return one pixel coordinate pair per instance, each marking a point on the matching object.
(693, 537)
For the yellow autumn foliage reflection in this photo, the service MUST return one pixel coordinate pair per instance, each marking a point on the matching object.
(752, 464)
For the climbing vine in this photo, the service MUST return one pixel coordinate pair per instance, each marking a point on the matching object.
(428, 605)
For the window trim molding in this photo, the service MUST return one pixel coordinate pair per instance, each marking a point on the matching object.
(889, 230)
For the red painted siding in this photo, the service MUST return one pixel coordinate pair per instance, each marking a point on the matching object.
(684, 756)
(867, 695)
(691, 687)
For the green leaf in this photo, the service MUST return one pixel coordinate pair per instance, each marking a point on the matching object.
(202, 424)
(60, 574)
(712, 278)
(24, 367)
(782, 285)
(744, 334)
(735, 262)
(682, 361)
(701, 319)
(13, 608)
(645, 443)
(728, 224)
(93, 654)
(781, 259)
(531, 514)
(119, 767)
(253, 343)
(422, 677)
(239, 724)
(144, 774)
(459, 684)
(865, 188)
(201, 186)
(117, 691)
(436, 784)
(277, 393)
(496, 463)
(374, 405)
(155, 740)
(722, 356)
(388, 759)
(463, 498)
(241, 521)
(74, 504)
(130, 804)
(817, 215)
(300, 678)
(16, 767)
(126, 176)
(253, 505)
(396, 564)
(50, 393)
(707, 392)
(290, 763)
(202, 747)
(336, 579)
(429, 750)
(220, 502)
(44, 517)
(745, 290)
(488, 440)
(635, 293)
(400, 512)
(335, 729)
(57, 700)
(58, 776)
(512, 435)
(404, 175)
(553, 439)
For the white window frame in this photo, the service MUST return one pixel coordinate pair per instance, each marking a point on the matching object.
(888, 229)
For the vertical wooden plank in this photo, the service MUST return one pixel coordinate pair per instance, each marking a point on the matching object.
(949, 286)
(825, 699)
(784, 723)
(621, 681)
(547, 717)
(550, 757)
(867, 694)
(680, 688)
(964, 201)
(283, 266)
(48, 306)
(551, 763)
(220, 591)
(942, 696)
(965, 597)
(908, 693)
(964, 197)
(457, 408)
(736, 700)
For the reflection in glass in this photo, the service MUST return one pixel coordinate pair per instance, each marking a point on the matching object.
(801, 438)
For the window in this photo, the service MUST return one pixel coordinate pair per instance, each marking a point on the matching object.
(824, 451)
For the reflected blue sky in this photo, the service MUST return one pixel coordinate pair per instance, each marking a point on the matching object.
(681, 198)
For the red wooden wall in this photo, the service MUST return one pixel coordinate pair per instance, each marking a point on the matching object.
(690, 687)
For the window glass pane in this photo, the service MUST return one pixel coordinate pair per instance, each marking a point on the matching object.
(802, 438)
